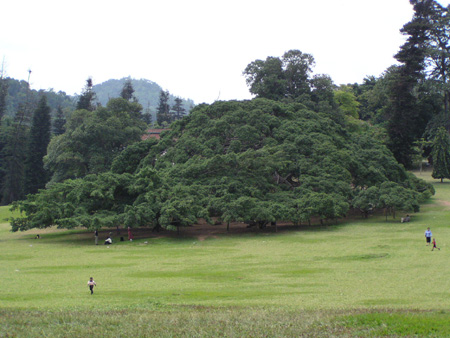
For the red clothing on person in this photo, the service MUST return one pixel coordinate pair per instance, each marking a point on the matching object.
(130, 235)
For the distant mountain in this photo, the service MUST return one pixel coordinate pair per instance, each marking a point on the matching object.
(146, 91)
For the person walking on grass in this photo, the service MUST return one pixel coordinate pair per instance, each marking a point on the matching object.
(428, 236)
(91, 284)
(434, 245)
(96, 236)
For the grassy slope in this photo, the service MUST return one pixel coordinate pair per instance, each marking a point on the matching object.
(317, 273)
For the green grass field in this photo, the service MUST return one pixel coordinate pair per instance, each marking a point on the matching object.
(359, 278)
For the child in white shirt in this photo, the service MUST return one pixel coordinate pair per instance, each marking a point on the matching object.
(91, 284)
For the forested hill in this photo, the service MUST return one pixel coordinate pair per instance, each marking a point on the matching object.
(19, 94)
(145, 91)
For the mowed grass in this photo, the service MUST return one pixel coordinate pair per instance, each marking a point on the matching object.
(358, 278)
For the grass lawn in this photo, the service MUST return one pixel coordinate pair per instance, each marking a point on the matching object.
(359, 278)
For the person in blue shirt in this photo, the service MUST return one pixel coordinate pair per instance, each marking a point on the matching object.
(428, 236)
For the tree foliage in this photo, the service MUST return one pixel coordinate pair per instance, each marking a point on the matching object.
(163, 110)
(18, 93)
(39, 137)
(14, 136)
(441, 155)
(93, 139)
(59, 123)
(146, 92)
(87, 98)
(424, 56)
(127, 92)
(256, 161)
(288, 77)
(3, 93)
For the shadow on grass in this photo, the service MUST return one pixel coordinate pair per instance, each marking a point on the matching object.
(198, 232)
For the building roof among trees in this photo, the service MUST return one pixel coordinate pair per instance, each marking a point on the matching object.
(155, 133)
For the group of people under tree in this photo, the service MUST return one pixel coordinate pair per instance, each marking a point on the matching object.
(109, 239)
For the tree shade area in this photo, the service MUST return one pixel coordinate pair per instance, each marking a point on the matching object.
(257, 161)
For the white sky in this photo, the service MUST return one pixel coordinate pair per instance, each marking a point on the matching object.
(196, 49)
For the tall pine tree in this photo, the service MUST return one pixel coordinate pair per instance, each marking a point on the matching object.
(13, 157)
(59, 124)
(163, 110)
(441, 155)
(35, 175)
(87, 97)
(404, 116)
(178, 108)
(127, 92)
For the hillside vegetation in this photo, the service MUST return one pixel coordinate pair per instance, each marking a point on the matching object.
(146, 92)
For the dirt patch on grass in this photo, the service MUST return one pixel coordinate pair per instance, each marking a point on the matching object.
(444, 203)
(203, 231)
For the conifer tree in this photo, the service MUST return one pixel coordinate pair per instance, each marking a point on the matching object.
(147, 116)
(127, 92)
(59, 124)
(35, 175)
(424, 55)
(13, 157)
(178, 108)
(87, 97)
(441, 155)
(163, 110)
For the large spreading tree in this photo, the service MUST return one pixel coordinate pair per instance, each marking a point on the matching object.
(258, 161)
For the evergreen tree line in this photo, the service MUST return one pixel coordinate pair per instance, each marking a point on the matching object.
(23, 144)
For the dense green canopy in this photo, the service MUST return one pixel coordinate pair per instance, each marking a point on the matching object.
(258, 161)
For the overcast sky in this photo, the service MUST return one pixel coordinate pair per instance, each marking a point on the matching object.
(196, 49)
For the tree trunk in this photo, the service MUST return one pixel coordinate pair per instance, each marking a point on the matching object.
(228, 226)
